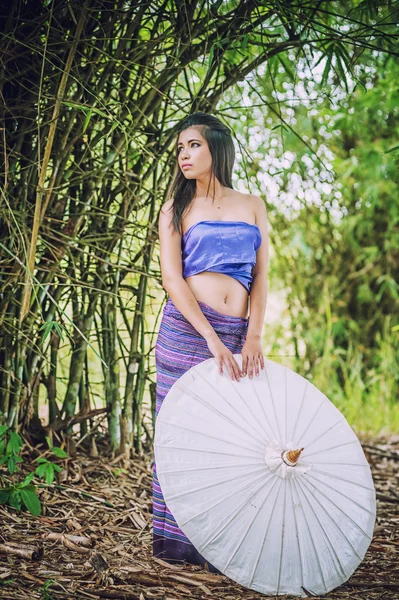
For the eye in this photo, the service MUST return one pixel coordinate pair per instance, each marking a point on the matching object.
(192, 145)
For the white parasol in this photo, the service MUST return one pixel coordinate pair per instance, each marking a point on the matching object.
(266, 478)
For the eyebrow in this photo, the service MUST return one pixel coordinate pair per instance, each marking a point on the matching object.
(189, 142)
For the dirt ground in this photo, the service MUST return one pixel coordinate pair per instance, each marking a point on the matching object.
(94, 539)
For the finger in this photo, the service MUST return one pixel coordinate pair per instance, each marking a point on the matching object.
(262, 361)
(240, 370)
(250, 366)
(237, 369)
(257, 366)
(233, 371)
(244, 365)
(221, 367)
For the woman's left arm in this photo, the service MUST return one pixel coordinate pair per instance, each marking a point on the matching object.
(252, 353)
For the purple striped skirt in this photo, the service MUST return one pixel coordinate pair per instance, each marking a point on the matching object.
(179, 347)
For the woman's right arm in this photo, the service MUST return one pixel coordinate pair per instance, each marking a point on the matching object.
(172, 275)
(182, 296)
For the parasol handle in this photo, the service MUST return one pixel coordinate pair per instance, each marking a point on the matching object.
(290, 457)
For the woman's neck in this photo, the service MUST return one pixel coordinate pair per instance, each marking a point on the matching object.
(209, 190)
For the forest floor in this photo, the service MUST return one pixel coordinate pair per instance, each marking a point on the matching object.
(94, 540)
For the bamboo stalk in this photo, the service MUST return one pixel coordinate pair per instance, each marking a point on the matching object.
(52, 377)
(47, 153)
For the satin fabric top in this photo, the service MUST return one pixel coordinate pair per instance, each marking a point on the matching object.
(227, 247)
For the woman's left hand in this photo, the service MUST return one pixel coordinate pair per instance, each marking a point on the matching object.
(252, 357)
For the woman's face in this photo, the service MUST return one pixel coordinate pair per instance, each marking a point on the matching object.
(194, 157)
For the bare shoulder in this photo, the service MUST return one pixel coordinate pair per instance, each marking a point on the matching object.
(261, 220)
(256, 203)
(167, 207)
(166, 227)
(166, 216)
(259, 206)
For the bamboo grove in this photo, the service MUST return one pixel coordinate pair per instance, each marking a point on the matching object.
(90, 95)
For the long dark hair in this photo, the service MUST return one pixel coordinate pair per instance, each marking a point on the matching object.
(221, 147)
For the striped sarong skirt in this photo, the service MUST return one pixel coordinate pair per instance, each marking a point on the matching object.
(179, 347)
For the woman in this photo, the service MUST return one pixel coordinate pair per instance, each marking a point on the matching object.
(214, 256)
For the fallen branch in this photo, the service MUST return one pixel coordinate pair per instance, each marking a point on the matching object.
(374, 584)
(29, 553)
(75, 539)
(62, 424)
(385, 498)
(80, 492)
(114, 595)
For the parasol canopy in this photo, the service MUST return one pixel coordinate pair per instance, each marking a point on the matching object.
(266, 478)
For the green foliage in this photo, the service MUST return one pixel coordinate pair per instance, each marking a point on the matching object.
(21, 493)
(86, 218)
(24, 493)
(46, 467)
(44, 590)
(48, 327)
(331, 188)
(10, 447)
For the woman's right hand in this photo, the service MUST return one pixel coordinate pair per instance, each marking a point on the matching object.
(224, 357)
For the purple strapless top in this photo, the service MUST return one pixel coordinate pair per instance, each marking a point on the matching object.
(227, 247)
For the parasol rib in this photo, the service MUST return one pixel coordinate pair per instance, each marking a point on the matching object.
(297, 534)
(214, 409)
(323, 450)
(308, 444)
(213, 437)
(337, 525)
(262, 405)
(214, 390)
(311, 421)
(330, 546)
(205, 487)
(273, 405)
(299, 411)
(282, 540)
(211, 468)
(223, 499)
(344, 513)
(203, 450)
(296, 484)
(285, 405)
(250, 525)
(334, 476)
(256, 562)
(344, 496)
(231, 517)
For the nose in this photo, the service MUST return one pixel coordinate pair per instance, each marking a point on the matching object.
(184, 153)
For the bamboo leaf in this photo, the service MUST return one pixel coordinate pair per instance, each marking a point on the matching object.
(4, 495)
(59, 452)
(393, 149)
(31, 500)
(87, 109)
(49, 477)
(15, 500)
(57, 305)
(87, 120)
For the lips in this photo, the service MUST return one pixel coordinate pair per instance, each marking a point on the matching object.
(186, 165)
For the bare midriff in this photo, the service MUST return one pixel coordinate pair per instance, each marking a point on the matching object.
(221, 292)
